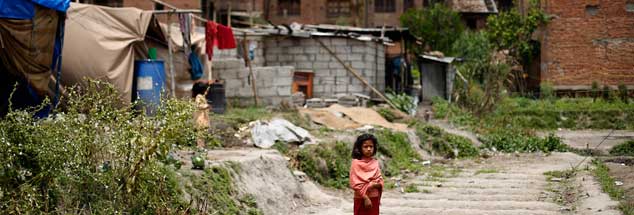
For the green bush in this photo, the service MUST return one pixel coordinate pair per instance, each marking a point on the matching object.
(509, 140)
(623, 149)
(397, 151)
(547, 91)
(213, 192)
(387, 114)
(402, 102)
(96, 157)
(623, 93)
(445, 144)
(438, 26)
(327, 164)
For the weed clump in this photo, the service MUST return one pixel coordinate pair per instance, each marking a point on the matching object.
(623, 149)
(97, 157)
(511, 141)
(445, 144)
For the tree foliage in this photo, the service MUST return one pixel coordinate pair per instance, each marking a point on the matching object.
(438, 26)
(513, 31)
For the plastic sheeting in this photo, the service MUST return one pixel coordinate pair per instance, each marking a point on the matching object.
(25, 9)
(29, 47)
(99, 44)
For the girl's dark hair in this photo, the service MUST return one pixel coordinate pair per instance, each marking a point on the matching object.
(356, 150)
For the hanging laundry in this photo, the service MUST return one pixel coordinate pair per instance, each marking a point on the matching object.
(196, 71)
(225, 38)
(185, 20)
(218, 35)
(210, 36)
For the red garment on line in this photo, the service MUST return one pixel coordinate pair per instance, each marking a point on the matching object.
(225, 38)
(218, 35)
(210, 37)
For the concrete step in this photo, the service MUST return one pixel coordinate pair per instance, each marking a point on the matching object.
(478, 205)
(461, 197)
(480, 191)
(460, 211)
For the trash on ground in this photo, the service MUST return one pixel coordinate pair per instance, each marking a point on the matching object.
(265, 134)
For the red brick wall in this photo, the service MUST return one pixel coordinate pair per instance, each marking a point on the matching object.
(579, 48)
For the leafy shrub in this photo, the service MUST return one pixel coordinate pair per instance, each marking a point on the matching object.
(623, 149)
(547, 91)
(623, 93)
(387, 114)
(213, 192)
(397, 152)
(96, 157)
(445, 144)
(508, 140)
(329, 163)
(438, 26)
(402, 102)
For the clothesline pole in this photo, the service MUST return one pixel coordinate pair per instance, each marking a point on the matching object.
(245, 54)
(170, 56)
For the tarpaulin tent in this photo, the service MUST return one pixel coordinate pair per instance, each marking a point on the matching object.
(103, 43)
(31, 33)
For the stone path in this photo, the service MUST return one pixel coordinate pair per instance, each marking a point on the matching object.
(504, 184)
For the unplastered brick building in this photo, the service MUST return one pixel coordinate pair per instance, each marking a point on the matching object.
(588, 41)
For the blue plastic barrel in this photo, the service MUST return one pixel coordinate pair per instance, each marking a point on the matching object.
(149, 79)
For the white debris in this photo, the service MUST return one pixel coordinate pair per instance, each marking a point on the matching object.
(265, 134)
(426, 163)
(618, 183)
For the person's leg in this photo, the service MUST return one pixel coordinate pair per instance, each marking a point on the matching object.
(376, 202)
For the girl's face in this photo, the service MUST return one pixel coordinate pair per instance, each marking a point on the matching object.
(367, 148)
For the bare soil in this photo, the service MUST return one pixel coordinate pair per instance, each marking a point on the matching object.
(622, 170)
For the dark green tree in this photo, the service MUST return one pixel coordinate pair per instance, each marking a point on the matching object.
(438, 27)
(513, 31)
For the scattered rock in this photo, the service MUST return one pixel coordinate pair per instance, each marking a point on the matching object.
(556, 179)
(301, 176)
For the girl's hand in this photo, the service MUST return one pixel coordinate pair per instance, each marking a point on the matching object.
(367, 202)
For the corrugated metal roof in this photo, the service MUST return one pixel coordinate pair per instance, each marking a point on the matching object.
(474, 6)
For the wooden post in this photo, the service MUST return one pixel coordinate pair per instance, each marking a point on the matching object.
(229, 16)
(245, 54)
(170, 55)
(355, 74)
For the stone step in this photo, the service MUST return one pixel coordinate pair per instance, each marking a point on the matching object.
(461, 197)
(460, 211)
(482, 184)
(477, 205)
(480, 191)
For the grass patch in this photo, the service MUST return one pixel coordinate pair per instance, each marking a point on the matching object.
(411, 188)
(387, 114)
(486, 171)
(425, 191)
(238, 116)
(213, 192)
(445, 144)
(506, 140)
(329, 163)
(623, 149)
(602, 172)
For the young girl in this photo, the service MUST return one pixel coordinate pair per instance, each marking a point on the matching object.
(365, 176)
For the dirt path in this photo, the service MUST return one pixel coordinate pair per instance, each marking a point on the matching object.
(581, 139)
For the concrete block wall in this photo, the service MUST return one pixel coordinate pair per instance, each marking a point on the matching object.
(330, 77)
(273, 84)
